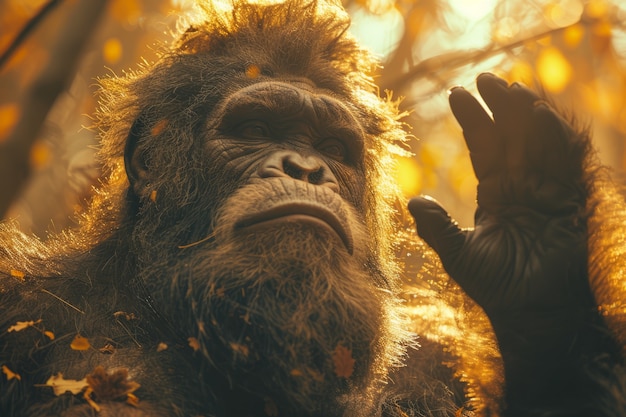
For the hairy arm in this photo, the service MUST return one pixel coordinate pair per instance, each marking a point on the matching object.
(525, 261)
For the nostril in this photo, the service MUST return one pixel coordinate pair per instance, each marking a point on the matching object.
(292, 171)
(316, 176)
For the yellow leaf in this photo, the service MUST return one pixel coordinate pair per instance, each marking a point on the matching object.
(194, 343)
(21, 325)
(132, 399)
(161, 347)
(343, 361)
(49, 334)
(125, 315)
(242, 349)
(14, 272)
(153, 196)
(159, 127)
(253, 71)
(61, 385)
(10, 374)
(90, 401)
(80, 343)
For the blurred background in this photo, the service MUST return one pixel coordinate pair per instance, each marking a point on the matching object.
(52, 52)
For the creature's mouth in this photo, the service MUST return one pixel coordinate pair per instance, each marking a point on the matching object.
(301, 212)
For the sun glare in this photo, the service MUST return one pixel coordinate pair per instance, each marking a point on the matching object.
(379, 33)
(472, 9)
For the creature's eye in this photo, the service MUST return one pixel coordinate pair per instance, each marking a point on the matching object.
(254, 129)
(333, 148)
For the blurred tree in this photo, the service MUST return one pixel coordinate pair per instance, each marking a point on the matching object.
(574, 49)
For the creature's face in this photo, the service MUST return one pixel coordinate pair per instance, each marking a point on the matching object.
(298, 154)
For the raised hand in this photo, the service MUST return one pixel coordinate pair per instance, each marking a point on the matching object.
(528, 247)
(525, 261)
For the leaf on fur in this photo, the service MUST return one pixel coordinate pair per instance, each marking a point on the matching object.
(343, 361)
(10, 374)
(21, 325)
(61, 385)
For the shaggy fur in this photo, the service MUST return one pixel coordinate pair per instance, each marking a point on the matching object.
(207, 323)
(210, 322)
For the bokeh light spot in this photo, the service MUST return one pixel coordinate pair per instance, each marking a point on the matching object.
(112, 50)
(554, 70)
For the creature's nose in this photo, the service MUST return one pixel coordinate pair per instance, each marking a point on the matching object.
(309, 168)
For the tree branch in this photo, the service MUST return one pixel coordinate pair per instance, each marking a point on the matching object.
(50, 81)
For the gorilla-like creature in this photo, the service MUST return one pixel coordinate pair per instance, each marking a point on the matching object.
(238, 259)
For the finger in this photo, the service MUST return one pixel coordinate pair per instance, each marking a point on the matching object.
(438, 230)
(512, 111)
(478, 130)
(561, 151)
(503, 99)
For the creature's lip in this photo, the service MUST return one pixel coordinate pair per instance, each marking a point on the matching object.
(301, 212)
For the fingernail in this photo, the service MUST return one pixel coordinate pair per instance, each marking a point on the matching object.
(456, 87)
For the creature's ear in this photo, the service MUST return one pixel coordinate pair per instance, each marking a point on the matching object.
(134, 160)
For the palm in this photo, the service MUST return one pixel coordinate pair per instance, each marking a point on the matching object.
(527, 249)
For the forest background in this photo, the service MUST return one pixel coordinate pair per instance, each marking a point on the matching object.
(53, 52)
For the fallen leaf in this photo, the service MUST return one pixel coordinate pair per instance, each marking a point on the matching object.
(80, 343)
(194, 343)
(343, 361)
(253, 71)
(49, 334)
(18, 274)
(153, 196)
(21, 325)
(90, 401)
(158, 127)
(242, 349)
(295, 372)
(111, 386)
(10, 374)
(132, 400)
(61, 385)
(127, 316)
(161, 347)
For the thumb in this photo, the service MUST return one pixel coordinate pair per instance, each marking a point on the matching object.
(438, 230)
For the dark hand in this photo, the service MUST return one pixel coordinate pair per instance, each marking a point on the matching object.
(525, 261)
(528, 247)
